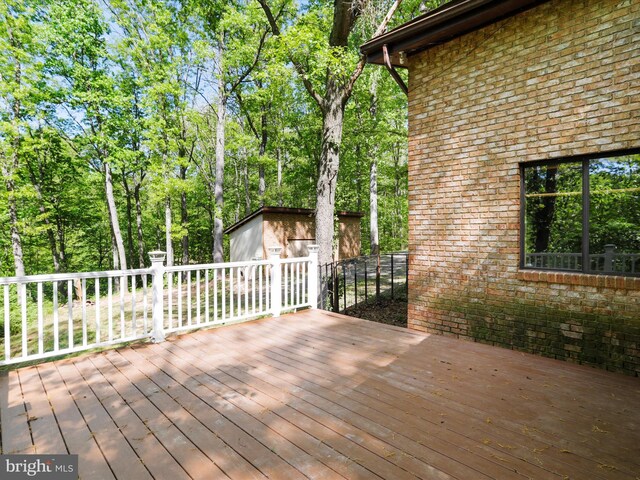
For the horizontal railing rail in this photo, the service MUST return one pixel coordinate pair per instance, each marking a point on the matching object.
(50, 315)
(58, 314)
(60, 277)
(608, 262)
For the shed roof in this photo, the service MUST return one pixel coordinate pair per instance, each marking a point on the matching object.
(285, 211)
(441, 25)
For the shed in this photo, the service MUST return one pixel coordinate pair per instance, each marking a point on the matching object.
(293, 229)
(524, 174)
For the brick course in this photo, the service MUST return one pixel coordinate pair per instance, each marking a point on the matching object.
(562, 79)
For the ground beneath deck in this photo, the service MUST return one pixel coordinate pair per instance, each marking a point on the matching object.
(320, 395)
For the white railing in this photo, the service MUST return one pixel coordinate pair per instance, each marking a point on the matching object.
(53, 315)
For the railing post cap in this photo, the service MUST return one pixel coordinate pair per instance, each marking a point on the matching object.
(275, 250)
(157, 256)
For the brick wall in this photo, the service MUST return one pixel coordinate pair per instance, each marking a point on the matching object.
(559, 80)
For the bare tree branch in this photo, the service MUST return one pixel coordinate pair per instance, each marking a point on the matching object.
(363, 59)
(270, 18)
(256, 59)
(244, 110)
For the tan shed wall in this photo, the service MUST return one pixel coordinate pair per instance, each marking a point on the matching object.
(283, 229)
(559, 80)
(280, 228)
(350, 237)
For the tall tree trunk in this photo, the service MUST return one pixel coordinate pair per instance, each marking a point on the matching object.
(136, 195)
(113, 216)
(236, 190)
(116, 255)
(543, 215)
(262, 185)
(247, 188)
(328, 172)
(358, 179)
(61, 242)
(279, 160)
(167, 228)
(116, 266)
(127, 191)
(8, 171)
(16, 240)
(218, 229)
(37, 184)
(373, 207)
(332, 104)
(184, 218)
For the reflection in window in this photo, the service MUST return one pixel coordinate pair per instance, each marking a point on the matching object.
(554, 200)
(614, 214)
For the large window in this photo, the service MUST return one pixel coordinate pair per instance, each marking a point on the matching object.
(582, 215)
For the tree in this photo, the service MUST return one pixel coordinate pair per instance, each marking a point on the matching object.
(18, 49)
(337, 84)
(78, 34)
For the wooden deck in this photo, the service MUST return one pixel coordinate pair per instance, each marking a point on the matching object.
(319, 395)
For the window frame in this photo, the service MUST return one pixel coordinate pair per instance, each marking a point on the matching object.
(586, 205)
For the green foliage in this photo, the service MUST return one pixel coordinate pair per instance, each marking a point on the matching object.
(132, 83)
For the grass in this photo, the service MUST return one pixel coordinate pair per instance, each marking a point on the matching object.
(84, 316)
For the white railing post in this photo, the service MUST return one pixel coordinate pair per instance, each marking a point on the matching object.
(157, 309)
(313, 275)
(609, 254)
(276, 280)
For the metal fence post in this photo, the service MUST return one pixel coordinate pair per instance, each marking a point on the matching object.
(336, 286)
(392, 276)
(355, 282)
(314, 273)
(276, 280)
(157, 310)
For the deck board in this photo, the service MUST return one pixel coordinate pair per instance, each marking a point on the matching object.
(323, 396)
(77, 435)
(311, 397)
(16, 435)
(386, 419)
(42, 422)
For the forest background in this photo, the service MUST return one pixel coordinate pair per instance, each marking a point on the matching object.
(135, 125)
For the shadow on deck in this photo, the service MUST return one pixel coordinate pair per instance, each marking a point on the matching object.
(320, 395)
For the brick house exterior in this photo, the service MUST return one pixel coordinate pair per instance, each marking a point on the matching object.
(292, 229)
(547, 80)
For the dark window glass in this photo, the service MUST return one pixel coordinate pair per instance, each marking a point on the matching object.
(556, 201)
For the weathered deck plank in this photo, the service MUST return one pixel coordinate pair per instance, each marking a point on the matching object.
(78, 437)
(16, 437)
(314, 400)
(322, 396)
(227, 428)
(154, 441)
(329, 392)
(42, 421)
(122, 459)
